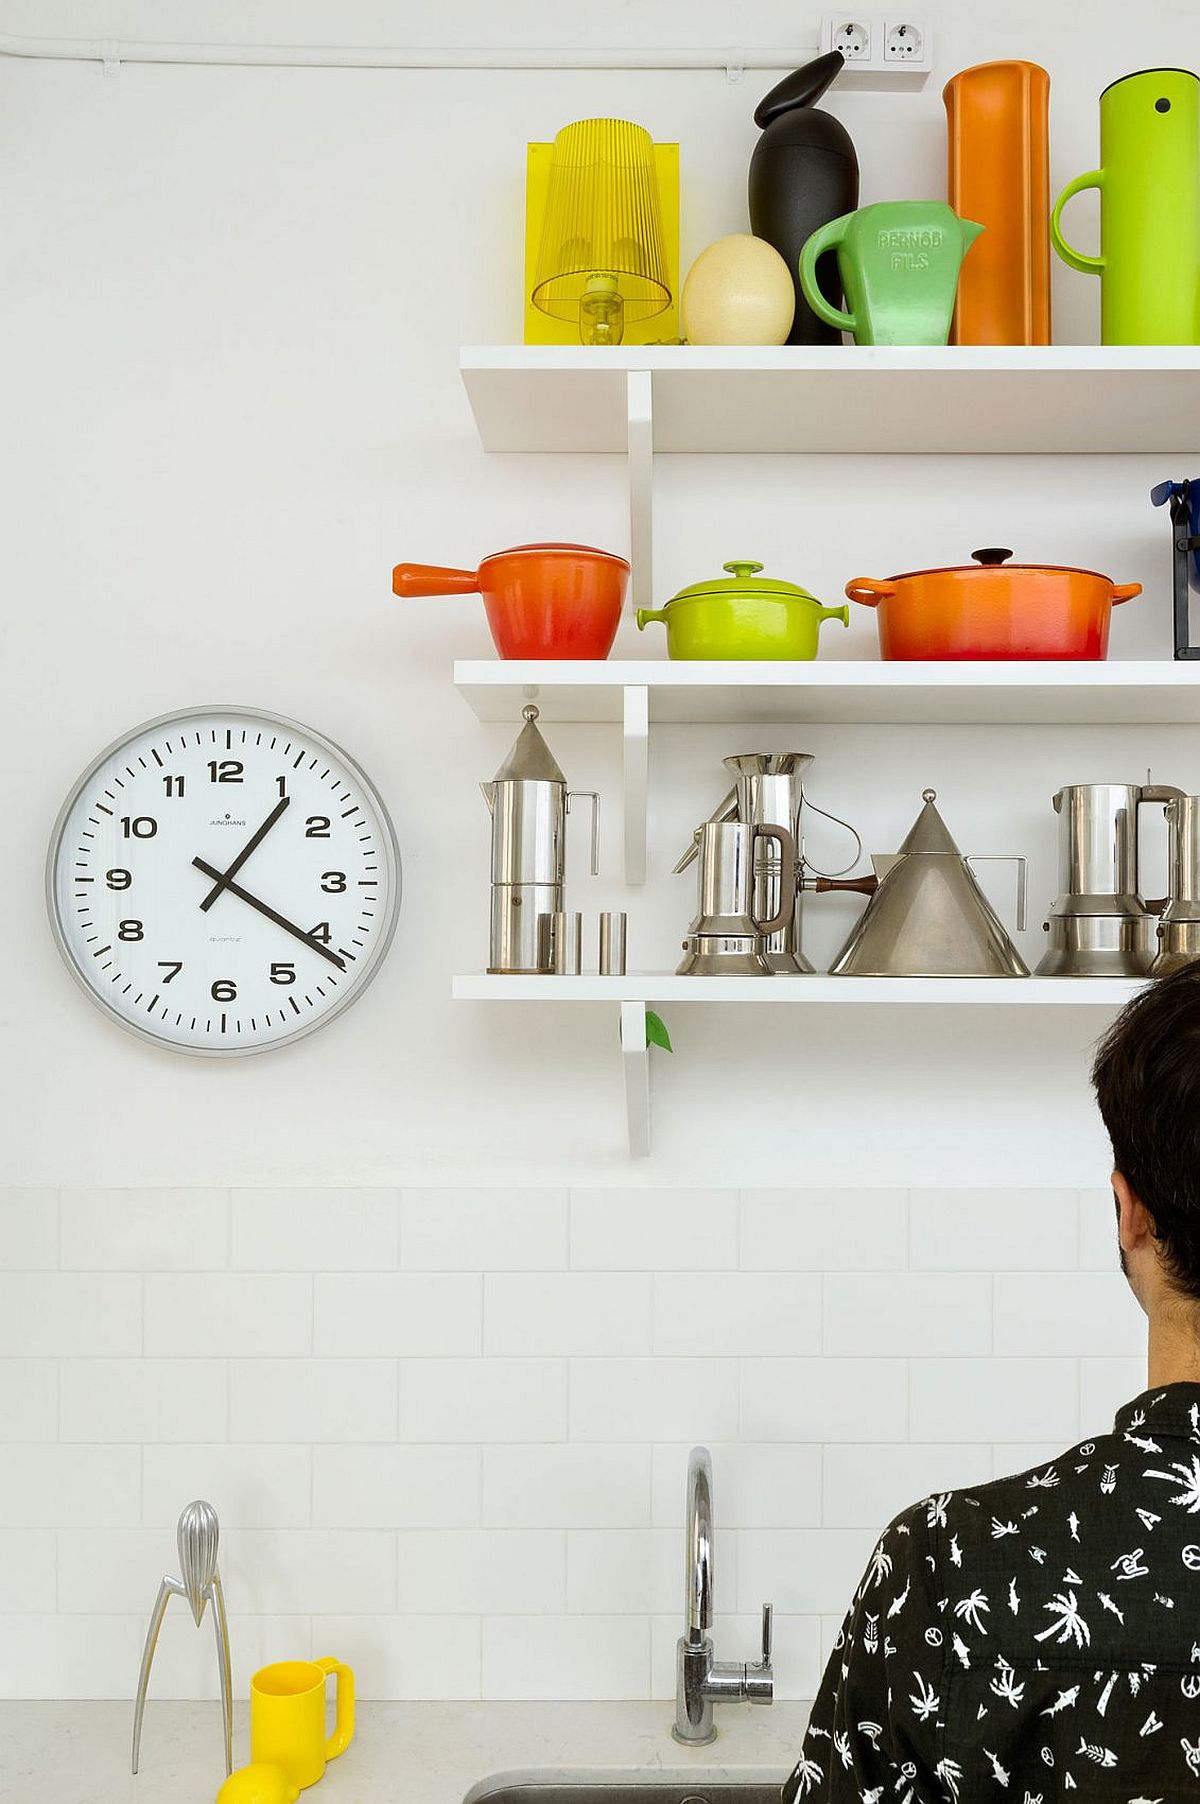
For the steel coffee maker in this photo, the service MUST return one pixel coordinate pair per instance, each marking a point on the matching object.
(1179, 928)
(728, 937)
(529, 803)
(1100, 926)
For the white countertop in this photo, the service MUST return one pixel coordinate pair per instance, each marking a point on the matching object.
(78, 1753)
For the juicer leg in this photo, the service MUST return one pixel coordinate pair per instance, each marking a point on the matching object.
(221, 1630)
(156, 1622)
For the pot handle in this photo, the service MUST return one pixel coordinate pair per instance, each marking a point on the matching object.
(1022, 864)
(868, 591)
(589, 795)
(644, 614)
(433, 579)
(1088, 266)
(842, 614)
(1125, 592)
(826, 238)
(787, 877)
(859, 886)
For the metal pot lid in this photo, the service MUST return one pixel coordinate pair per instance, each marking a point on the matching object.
(610, 557)
(995, 557)
(530, 759)
(929, 832)
(743, 579)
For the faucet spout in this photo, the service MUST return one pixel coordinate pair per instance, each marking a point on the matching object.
(698, 1551)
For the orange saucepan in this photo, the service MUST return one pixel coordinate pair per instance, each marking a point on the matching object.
(993, 609)
(542, 601)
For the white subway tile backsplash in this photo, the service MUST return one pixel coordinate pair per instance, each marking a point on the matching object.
(568, 1486)
(630, 1571)
(284, 1230)
(650, 1399)
(1002, 1399)
(1099, 1250)
(143, 1400)
(28, 1400)
(824, 1400)
(185, 1665)
(864, 1487)
(566, 1657)
(1066, 1313)
(993, 1230)
(321, 1400)
(483, 1230)
(298, 1571)
(567, 1312)
(111, 1571)
(46, 1486)
(737, 1313)
(57, 1313)
(410, 1657)
(654, 1230)
(145, 1230)
(28, 1230)
(756, 1487)
(27, 1570)
(802, 1571)
(396, 1314)
(396, 1487)
(249, 1487)
(1104, 1385)
(483, 1399)
(232, 1313)
(1009, 1457)
(56, 1656)
(824, 1230)
(913, 1313)
(481, 1571)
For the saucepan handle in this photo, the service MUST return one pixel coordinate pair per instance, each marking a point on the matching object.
(1022, 865)
(787, 877)
(433, 579)
(1124, 592)
(868, 591)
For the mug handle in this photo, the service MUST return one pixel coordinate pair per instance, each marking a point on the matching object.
(826, 238)
(1088, 266)
(343, 1728)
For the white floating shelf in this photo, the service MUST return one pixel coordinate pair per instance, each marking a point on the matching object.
(1091, 399)
(1006, 694)
(651, 987)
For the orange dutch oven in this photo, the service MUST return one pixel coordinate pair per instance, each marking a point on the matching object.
(541, 601)
(993, 609)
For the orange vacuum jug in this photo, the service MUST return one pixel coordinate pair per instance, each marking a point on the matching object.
(998, 126)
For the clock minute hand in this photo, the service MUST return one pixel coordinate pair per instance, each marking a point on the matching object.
(264, 908)
(256, 839)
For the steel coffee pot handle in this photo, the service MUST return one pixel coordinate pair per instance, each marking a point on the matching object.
(787, 877)
(593, 797)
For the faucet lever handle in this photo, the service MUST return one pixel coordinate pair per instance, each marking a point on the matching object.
(767, 1615)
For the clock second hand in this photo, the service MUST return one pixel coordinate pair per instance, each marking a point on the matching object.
(264, 908)
(256, 839)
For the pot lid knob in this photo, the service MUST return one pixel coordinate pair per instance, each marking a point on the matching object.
(992, 554)
(742, 567)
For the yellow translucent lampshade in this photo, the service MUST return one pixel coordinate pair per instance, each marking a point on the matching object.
(601, 260)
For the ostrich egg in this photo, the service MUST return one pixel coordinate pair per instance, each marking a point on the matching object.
(738, 292)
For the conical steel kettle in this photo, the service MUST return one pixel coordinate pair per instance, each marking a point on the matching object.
(927, 916)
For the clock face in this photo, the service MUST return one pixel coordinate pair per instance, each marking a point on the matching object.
(223, 880)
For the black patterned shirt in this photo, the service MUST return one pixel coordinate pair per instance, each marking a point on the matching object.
(1029, 1641)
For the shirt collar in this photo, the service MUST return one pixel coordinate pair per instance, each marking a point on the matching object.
(1171, 1409)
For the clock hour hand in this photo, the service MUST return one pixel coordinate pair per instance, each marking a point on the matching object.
(264, 908)
(256, 839)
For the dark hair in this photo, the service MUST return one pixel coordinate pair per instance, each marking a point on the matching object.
(1147, 1081)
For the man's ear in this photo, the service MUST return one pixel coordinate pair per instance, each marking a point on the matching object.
(1134, 1223)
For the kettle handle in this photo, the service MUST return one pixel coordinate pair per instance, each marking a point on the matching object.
(592, 796)
(1022, 864)
(1088, 266)
(826, 238)
(787, 877)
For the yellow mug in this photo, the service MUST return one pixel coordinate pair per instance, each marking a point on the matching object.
(287, 1717)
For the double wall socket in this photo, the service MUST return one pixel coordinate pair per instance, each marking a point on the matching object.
(893, 50)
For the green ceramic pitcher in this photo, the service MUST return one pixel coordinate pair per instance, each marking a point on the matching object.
(1149, 182)
(899, 262)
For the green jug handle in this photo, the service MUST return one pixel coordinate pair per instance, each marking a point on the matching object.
(1088, 266)
(826, 238)
(644, 614)
(842, 614)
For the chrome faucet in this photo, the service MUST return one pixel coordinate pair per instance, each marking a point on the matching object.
(699, 1679)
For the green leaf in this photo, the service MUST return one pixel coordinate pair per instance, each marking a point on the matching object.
(656, 1032)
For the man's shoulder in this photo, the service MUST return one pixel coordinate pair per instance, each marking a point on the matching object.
(989, 1506)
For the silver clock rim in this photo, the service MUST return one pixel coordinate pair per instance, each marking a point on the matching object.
(386, 933)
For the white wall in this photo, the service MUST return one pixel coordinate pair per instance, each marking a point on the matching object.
(232, 305)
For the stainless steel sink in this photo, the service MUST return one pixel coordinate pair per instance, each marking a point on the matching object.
(632, 1785)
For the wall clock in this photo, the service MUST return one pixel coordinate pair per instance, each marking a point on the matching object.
(223, 880)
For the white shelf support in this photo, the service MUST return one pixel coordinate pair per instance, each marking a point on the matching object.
(636, 743)
(639, 404)
(635, 1063)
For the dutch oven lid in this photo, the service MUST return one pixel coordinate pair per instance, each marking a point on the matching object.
(992, 557)
(611, 557)
(743, 579)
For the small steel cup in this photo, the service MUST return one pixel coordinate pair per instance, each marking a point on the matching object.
(612, 944)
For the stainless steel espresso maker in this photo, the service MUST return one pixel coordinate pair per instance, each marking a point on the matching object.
(529, 803)
(728, 937)
(1179, 928)
(1100, 926)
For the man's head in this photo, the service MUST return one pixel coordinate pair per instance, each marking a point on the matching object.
(1147, 1079)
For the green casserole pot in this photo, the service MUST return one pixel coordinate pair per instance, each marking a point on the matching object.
(742, 617)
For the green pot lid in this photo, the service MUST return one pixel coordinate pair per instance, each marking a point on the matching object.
(743, 579)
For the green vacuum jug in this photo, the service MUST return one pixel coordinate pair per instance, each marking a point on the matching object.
(1149, 182)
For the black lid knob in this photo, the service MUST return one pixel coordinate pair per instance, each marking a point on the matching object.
(992, 554)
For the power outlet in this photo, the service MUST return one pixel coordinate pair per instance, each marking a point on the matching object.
(851, 34)
(892, 52)
(904, 43)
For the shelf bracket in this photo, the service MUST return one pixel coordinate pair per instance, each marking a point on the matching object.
(635, 1064)
(640, 423)
(636, 747)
